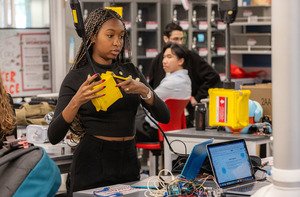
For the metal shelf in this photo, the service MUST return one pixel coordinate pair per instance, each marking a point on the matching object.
(144, 57)
(247, 49)
(204, 9)
(251, 23)
(255, 6)
(217, 56)
(251, 52)
(147, 30)
(199, 30)
(252, 20)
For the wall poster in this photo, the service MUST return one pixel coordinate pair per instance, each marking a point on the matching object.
(25, 61)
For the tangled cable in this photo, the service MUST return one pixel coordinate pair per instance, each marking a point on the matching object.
(159, 184)
(178, 186)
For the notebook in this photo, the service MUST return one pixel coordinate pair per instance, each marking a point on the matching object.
(232, 167)
(189, 171)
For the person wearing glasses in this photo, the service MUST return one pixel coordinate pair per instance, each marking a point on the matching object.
(202, 75)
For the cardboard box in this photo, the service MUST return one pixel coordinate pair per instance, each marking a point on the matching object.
(260, 2)
(262, 93)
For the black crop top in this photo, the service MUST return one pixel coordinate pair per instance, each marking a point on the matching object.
(118, 120)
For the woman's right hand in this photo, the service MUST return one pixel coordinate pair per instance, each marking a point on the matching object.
(85, 93)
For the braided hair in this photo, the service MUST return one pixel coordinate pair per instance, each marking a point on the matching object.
(93, 23)
(7, 116)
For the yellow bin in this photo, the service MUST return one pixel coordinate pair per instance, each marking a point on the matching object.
(228, 107)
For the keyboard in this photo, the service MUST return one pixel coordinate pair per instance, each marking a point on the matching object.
(249, 188)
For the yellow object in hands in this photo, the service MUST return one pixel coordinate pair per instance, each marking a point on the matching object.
(112, 93)
(228, 107)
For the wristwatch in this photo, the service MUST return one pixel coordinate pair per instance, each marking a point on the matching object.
(149, 95)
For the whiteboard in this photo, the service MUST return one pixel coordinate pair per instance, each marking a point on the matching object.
(25, 61)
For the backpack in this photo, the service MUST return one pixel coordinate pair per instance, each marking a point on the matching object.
(28, 172)
(33, 114)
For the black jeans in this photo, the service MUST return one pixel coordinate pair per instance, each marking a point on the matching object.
(98, 163)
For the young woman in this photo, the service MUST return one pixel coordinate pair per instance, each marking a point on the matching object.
(175, 85)
(7, 115)
(106, 154)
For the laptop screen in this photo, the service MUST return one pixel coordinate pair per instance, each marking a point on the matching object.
(230, 163)
(195, 160)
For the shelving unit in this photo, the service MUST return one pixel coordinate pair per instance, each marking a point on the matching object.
(142, 20)
(148, 33)
(205, 33)
(251, 37)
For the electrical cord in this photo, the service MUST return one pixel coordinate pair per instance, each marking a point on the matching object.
(268, 172)
(184, 187)
(162, 132)
(179, 186)
(185, 148)
(87, 53)
(160, 185)
(178, 165)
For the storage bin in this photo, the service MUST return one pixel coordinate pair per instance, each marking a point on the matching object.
(37, 134)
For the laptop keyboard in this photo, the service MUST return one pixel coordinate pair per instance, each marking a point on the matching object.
(244, 188)
(249, 187)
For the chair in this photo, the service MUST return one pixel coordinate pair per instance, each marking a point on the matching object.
(177, 121)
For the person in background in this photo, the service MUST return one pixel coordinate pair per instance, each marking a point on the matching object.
(106, 153)
(175, 85)
(202, 75)
(8, 121)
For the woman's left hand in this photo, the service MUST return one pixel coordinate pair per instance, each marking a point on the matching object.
(131, 86)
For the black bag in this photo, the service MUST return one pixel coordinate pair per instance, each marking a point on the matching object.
(144, 132)
(28, 172)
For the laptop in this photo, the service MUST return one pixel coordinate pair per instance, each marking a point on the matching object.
(189, 171)
(232, 167)
(195, 160)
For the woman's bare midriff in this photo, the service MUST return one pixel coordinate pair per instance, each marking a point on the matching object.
(115, 138)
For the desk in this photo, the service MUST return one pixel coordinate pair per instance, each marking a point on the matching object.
(63, 162)
(136, 193)
(132, 192)
(60, 154)
(191, 137)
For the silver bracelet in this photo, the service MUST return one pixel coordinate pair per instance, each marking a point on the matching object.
(148, 96)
